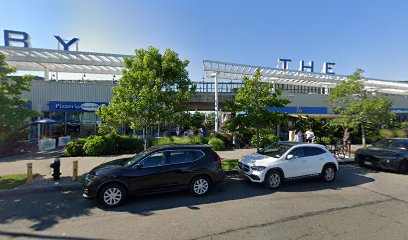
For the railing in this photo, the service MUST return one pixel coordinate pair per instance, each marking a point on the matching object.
(223, 87)
(207, 87)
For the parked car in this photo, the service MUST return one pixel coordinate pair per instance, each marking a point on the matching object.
(157, 169)
(389, 153)
(288, 160)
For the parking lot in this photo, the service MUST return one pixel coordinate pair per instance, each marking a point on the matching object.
(360, 204)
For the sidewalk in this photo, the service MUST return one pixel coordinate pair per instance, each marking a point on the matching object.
(42, 160)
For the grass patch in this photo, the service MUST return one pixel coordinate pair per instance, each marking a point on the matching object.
(12, 181)
(229, 165)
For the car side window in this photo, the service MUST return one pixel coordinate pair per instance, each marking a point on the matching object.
(180, 156)
(184, 156)
(297, 152)
(312, 151)
(153, 160)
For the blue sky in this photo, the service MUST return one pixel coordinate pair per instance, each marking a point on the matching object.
(367, 34)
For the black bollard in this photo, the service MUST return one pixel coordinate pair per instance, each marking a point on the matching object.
(56, 165)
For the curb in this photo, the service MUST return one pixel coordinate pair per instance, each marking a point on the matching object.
(39, 189)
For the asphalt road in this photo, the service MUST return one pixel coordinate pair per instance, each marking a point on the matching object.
(360, 204)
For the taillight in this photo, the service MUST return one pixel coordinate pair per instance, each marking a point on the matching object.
(217, 159)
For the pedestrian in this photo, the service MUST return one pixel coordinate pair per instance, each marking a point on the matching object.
(295, 137)
(347, 141)
(299, 136)
(309, 135)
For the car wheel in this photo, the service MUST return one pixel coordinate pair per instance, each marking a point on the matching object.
(112, 195)
(273, 180)
(403, 167)
(200, 186)
(329, 173)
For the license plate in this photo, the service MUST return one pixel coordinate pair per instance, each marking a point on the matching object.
(368, 163)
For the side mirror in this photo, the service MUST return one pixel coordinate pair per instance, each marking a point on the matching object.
(139, 166)
(290, 156)
(277, 156)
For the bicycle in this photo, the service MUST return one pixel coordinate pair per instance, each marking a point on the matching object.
(338, 150)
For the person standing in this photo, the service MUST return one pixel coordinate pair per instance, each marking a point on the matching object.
(295, 137)
(347, 141)
(309, 135)
(299, 136)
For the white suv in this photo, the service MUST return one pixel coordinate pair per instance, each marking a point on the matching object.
(288, 160)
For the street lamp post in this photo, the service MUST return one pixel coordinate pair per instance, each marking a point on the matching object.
(216, 100)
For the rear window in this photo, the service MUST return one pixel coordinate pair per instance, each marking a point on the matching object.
(183, 156)
(313, 151)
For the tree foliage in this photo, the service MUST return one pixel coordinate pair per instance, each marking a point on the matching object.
(151, 90)
(359, 107)
(13, 117)
(251, 105)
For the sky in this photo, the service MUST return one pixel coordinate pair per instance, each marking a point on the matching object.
(367, 34)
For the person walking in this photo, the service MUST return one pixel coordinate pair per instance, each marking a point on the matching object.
(347, 141)
(309, 135)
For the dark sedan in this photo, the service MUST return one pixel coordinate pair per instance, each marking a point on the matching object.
(157, 169)
(390, 154)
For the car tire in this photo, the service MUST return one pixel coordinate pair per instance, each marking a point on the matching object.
(329, 173)
(273, 179)
(112, 195)
(200, 186)
(403, 167)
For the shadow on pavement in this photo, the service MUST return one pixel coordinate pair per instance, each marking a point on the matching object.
(42, 236)
(47, 209)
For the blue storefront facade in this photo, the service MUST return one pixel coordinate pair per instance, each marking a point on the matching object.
(77, 118)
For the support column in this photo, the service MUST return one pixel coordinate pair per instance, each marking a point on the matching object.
(216, 102)
(46, 74)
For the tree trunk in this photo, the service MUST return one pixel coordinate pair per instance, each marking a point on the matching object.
(257, 139)
(363, 134)
(144, 138)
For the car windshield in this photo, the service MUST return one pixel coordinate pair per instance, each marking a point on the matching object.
(137, 157)
(392, 143)
(275, 149)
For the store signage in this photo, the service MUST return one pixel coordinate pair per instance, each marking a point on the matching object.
(22, 39)
(59, 106)
(300, 110)
(309, 67)
(90, 107)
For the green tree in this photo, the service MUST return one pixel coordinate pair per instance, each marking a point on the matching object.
(13, 117)
(151, 90)
(357, 106)
(251, 105)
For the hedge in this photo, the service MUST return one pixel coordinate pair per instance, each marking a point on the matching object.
(104, 145)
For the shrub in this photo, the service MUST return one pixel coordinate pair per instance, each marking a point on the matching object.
(264, 139)
(182, 140)
(164, 141)
(130, 144)
(217, 144)
(400, 133)
(326, 140)
(94, 146)
(387, 133)
(75, 148)
(226, 138)
(104, 145)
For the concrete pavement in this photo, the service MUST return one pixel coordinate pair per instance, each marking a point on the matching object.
(360, 204)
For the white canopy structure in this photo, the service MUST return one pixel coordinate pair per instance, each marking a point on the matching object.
(234, 71)
(48, 60)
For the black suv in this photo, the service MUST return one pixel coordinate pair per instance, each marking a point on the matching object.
(157, 169)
